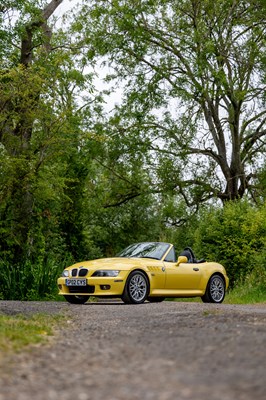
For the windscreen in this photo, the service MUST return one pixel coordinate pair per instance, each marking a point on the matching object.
(154, 250)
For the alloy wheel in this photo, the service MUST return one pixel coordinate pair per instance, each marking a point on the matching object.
(217, 289)
(138, 287)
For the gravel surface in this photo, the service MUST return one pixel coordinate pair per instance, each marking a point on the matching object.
(164, 351)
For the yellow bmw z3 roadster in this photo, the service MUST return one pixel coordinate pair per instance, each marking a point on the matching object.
(145, 271)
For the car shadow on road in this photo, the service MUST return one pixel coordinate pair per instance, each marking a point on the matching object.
(116, 302)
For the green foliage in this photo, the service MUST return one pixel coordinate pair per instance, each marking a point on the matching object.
(252, 288)
(112, 229)
(189, 70)
(235, 236)
(30, 280)
(39, 135)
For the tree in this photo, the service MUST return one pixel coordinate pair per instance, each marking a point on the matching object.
(62, 172)
(194, 89)
(40, 126)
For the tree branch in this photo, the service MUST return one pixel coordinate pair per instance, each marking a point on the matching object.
(26, 43)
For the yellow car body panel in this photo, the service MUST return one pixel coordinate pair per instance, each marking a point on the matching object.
(152, 268)
(164, 278)
(190, 279)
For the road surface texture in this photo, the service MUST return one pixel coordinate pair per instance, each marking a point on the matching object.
(163, 351)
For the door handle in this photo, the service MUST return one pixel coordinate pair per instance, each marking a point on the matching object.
(195, 269)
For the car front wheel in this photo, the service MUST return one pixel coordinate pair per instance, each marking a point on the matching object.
(215, 291)
(136, 289)
(76, 299)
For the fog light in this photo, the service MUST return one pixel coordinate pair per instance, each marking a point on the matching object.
(105, 287)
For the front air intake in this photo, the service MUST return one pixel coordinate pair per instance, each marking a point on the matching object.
(81, 289)
(83, 272)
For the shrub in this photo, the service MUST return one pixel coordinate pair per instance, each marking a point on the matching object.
(27, 281)
(235, 236)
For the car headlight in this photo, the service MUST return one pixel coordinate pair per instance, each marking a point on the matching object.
(105, 272)
(65, 273)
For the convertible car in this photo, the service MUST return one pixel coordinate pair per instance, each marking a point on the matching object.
(145, 271)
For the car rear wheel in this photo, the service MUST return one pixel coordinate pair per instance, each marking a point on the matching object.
(136, 289)
(74, 299)
(215, 290)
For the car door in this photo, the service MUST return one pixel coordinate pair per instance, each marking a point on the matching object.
(185, 276)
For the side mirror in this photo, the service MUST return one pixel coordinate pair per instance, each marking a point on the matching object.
(182, 260)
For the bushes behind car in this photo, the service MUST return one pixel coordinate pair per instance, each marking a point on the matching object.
(235, 236)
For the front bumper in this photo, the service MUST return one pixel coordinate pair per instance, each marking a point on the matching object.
(96, 286)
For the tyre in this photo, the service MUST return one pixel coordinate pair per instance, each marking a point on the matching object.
(215, 291)
(136, 288)
(155, 299)
(76, 299)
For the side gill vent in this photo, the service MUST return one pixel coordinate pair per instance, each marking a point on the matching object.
(153, 269)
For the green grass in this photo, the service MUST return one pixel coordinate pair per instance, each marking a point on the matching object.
(244, 294)
(17, 332)
(251, 290)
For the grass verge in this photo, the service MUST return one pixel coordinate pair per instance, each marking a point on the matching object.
(17, 332)
(250, 290)
(244, 294)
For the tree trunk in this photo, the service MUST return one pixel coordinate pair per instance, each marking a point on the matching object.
(23, 94)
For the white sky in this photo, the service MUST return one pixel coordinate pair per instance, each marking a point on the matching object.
(101, 72)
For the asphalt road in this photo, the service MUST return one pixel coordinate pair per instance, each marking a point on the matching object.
(164, 351)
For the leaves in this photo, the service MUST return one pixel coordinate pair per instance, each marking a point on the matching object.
(198, 59)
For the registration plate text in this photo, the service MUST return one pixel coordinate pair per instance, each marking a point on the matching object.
(76, 282)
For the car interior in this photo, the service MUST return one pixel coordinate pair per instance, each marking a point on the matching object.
(187, 252)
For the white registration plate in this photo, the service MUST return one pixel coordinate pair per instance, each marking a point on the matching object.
(76, 282)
